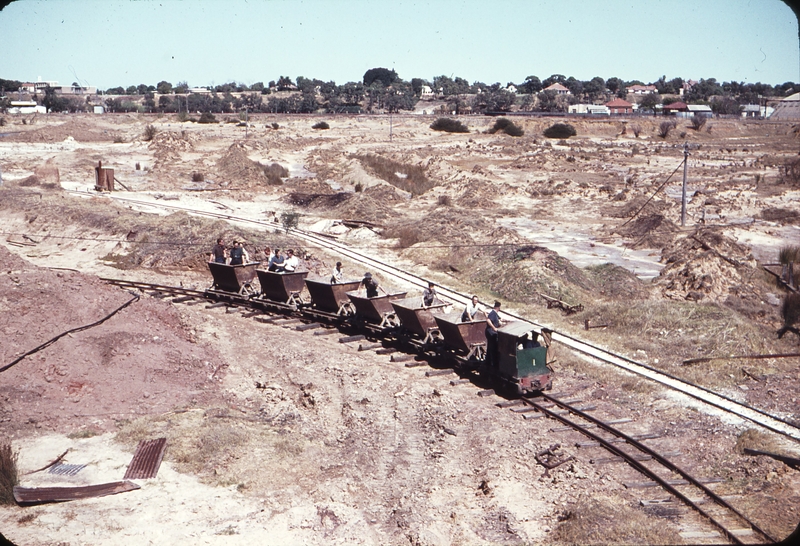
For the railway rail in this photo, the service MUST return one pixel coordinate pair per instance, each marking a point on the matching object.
(690, 490)
(765, 419)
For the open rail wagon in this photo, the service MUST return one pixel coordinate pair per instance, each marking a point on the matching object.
(417, 319)
(377, 310)
(523, 357)
(234, 279)
(283, 287)
(466, 338)
(331, 298)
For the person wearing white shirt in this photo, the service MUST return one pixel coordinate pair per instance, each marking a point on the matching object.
(292, 262)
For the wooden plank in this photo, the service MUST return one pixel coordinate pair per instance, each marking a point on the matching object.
(641, 485)
(215, 305)
(433, 373)
(311, 326)
(509, 403)
(486, 392)
(401, 358)
(386, 351)
(455, 382)
(328, 332)
(350, 339)
(40, 495)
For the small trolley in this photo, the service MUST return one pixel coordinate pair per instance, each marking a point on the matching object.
(234, 279)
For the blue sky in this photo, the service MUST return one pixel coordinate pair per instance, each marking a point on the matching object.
(107, 43)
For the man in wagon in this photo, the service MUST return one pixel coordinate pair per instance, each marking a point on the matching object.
(219, 253)
(276, 262)
(371, 286)
(492, 324)
(429, 295)
(292, 262)
(471, 310)
(239, 254)
(338, 274)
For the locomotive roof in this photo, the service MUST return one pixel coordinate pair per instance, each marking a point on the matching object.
(517, 328)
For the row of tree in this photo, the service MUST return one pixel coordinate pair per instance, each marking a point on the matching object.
(382, 89)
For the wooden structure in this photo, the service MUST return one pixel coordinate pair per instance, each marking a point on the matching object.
(103, 178)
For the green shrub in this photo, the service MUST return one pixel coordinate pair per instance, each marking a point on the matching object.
(449, 125)
(560, 130)
(275, 173)
(504, 125)
(275, 126)
(207, 117)
(321, 125)
(289, 220)
(150, 133)
(9, 477)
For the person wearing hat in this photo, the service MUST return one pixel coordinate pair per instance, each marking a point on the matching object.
(338, 275)
(492, 324)
(371, 285)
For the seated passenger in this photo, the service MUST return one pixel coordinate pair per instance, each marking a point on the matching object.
(471, 310)
(338, 275)
(529, 341)
(292, 262)
(371, 286)
(276, 262)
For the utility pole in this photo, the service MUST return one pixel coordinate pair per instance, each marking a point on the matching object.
(683, 194)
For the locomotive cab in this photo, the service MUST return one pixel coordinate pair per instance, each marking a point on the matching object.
(523, 357)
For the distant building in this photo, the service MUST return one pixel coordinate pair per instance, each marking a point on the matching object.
(26, 107)
(558, 88)
(98, 109)
(687, 87)
(426, 93)
(619, 106)
(199, 90)
(641, 89)
(788, 108)
(512, 89)
(675, 108)
(34, 87)
(702, 110)
(591, 109)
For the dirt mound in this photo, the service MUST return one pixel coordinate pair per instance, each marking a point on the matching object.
(237, 170)
(706, 266)
(318, 200)
(616, 282)
(362, 206)
(649, 231)
(141, 360)
(777, 214)
(631, 207)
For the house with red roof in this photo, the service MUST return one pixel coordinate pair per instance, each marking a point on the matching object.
(675, 108)
(619, 106)
(558, 88)
(641, 89)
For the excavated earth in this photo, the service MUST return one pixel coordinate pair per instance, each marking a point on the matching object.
(277, 436)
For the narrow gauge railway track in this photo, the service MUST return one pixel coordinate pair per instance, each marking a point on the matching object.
(688, 489)
(703, 394)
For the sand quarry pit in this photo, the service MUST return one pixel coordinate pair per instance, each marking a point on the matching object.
(278, 437)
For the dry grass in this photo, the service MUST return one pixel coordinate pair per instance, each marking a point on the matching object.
(609, 521)
(9, 476)
(410, 178)
(755, 439)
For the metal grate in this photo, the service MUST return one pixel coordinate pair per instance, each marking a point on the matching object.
(66, 469)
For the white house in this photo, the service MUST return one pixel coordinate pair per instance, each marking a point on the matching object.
(26, 107)
(558, 88)
(592, 109)
(426, 93)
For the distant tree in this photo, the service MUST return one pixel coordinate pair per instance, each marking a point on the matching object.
(575, 86)
(649, 101)
(531, 85)
(697, 122)
(164, 88)
(616, 86)
(448, 86)
(182, 88)
(131, 90)
(284, 83)
(9, 85)
(383, 75)
(725, 105)
(142, 89)
(594, 88)
(449, 125)
(115, 91)
(555, 78)
(149, 102)
(499, 101)
(704, 89)
(548, 101)
(308, 103)
(53, 102)
(258, 87)
(417, 84)
(560, 130)
(504, 125)
(321, 125)
(166, 104)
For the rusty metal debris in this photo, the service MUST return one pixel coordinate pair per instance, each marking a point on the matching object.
(552, 457)
(789, 461)
(48, 465)
(146, 460)
(564, 306)
(41, 495)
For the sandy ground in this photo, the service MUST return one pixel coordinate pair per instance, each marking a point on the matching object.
(281, 437)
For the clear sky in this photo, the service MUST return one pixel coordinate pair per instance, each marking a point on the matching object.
(109, 43)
